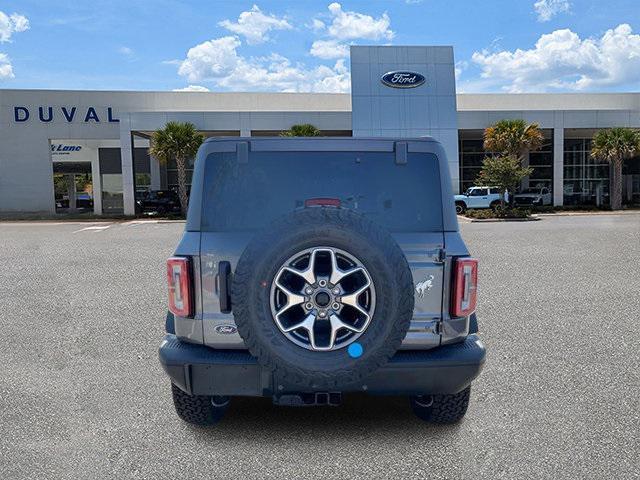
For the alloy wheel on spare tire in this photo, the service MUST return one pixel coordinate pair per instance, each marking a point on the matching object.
(323, 297)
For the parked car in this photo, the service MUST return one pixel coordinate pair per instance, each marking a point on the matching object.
(84, 201)
(160, 202)
(537, 196)
(303, 287)
(478, 197)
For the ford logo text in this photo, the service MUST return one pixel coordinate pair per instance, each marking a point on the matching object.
(226, 329)
(401, 79)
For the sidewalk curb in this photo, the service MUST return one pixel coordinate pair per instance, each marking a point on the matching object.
(578, 214)
(496, 220)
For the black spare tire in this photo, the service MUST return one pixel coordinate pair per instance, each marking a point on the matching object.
(323, 297)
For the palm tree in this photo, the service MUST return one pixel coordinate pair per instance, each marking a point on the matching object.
(513, 138)
(177, 141)
(302, 130)
(614, 146)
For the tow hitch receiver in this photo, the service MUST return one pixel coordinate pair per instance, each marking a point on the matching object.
(317, 399)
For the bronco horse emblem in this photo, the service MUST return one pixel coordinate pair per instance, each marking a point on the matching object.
(424, 286)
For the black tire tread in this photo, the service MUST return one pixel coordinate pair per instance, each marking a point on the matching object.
(445, 409)
(196, 409)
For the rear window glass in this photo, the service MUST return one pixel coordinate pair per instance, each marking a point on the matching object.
(244, 197)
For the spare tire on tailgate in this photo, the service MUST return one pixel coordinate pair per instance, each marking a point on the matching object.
(323, 297)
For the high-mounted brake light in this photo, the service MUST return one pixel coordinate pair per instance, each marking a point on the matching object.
(465, 287)
(322, 202)
(180, 286)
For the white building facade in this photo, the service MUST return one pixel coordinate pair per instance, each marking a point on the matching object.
(97, 141)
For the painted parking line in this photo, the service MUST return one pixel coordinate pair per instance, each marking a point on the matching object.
(94, 228)
(135, 223)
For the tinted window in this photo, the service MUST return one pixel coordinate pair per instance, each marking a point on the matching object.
(478, 192)
(249, 196)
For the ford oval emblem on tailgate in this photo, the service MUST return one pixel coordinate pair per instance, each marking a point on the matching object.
(403, 79)
(226, 329)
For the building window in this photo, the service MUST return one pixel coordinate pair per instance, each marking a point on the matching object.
(111, 180)
(172, 174)
(542, 163)
(586, 180)
(472, 155)
(112, 193)
(142, 171)
(635, 188)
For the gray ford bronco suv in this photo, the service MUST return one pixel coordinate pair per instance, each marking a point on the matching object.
(312, 267)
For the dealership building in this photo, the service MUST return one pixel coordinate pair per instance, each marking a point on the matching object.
(61, 151)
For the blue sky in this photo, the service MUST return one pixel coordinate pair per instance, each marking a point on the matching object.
(500, 45)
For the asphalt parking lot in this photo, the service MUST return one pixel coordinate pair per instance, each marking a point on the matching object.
(82, 394)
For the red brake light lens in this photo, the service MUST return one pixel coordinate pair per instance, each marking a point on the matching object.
(180, 287)
(322, 202)
(465, 287)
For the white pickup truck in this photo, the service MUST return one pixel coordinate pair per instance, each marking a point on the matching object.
(478, 197)
(536, 196)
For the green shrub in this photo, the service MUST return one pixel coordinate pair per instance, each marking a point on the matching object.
(515, 213)
(484, 213)
(506, 213)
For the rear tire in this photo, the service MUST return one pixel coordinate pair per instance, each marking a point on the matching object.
(443, 409)
(496, 206)
(199, 410)
(460, 208)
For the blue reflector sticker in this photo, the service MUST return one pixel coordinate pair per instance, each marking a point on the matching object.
(355, 350)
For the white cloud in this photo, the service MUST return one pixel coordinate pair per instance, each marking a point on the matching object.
(460, 67)
(347, 26)
(126, 51)
(211, 59)
(6, 70)
(254, 25)
(329, 49)
(192, 88)
(547, 9)
(217, 61)
(561, 60)
(10, 24)
(316, 25)
(352, 25)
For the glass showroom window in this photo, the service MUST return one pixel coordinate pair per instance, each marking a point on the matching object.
(112, 194)
(172, 174)
(143, 184)
(586, 181)
(542, 163)
(471, 157)
(111, 179)
(142, 171)
(635, 187)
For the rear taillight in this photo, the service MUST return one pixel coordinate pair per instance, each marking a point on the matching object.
(465, 287)
(180, 286)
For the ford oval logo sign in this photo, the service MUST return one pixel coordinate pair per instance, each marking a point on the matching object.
(226, 329)
(402, 79)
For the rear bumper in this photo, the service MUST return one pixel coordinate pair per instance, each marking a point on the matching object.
(201, 370)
